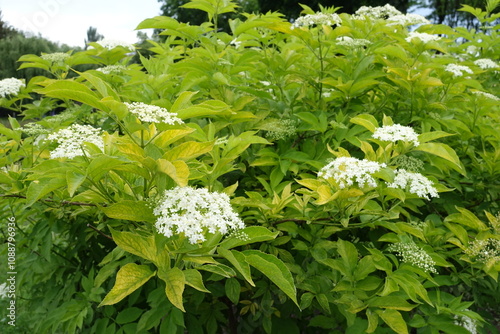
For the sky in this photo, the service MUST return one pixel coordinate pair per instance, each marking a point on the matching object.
(67, 21)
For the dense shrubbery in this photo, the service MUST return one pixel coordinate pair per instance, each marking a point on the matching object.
(362, 158)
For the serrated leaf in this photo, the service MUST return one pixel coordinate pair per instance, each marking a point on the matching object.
(68, 89)
(175, 283)
(194, 279)
(252, 234)
(443, 151)
(367, 121)
(136, 244)
(394, 319)
(238, 261)
(38, 189)
(275, 270)
(138, 211)
(129, 278)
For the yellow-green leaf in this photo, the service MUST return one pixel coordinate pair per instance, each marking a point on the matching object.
(128, 279)
(394, 319)
(175, 280)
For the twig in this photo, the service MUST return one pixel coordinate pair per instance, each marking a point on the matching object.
(100, 232)
(52, 201)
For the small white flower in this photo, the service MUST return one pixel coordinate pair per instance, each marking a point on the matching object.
(396, 132)
(152, 114)
(424, 37)
(352, 42)
(194, 212)
(55, 57)
(347, 170)
(487, 95)
(235, 42)
(415, 183)
(278, 129)
(407, 20)
(317, 19)
(457, 70)
(411, 164)
(10, 86)
(414, 255)
(484, 250)
(34, 129)
(485, 63)
(110, 69)
(71, 139)
(112, 43)
(466, 322)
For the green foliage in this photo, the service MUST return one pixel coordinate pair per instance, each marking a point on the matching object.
(281, 119)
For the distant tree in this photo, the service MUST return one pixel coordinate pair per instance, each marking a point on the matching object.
(5, 29)
(447, 12)
(92, 36)
(12, 48)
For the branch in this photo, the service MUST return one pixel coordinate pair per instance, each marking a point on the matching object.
(52, 201)
(100, 232)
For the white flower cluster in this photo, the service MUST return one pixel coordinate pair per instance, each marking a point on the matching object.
(484, 250)
(10, 86)
(352, 42)
(56, 57)
(154, 114)
(411, 164)
(457, 70)
(416, 184)
(347, 170)
(317, 19)
(423, 36)
(396, 132)
(487, 95)
(71, 139)
(280, 129)
(112, 43)
(414, 255)
(112, 69)
(407, 20)
(34, 129)
(380, 12)
(195, 212)
(466, 322)
(485, 63)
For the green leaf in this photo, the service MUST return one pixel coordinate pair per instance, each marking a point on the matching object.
(194, 279)
(253, 234)
(177, 170)
(394, 319)
(275, 270)
(443, 151)
(430, 136)
(138, 211)
(128, 315)
(233, 288)
(348, 253)
(188, 150)
(391, 302)
(69, 89)
(74, 181)
(175, 281)
(38, 189)
(466, 218)
(367, 121)
(136, 244)
(128, 279)
(238, 261)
